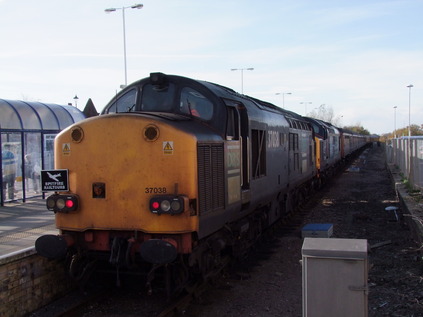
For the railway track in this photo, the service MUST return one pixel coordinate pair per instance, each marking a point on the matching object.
(132, 298)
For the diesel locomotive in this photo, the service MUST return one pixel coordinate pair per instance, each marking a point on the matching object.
(177, 175)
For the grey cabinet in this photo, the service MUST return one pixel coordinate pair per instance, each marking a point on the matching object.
(335, 277)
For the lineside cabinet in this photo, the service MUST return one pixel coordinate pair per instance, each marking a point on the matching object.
(335, 277)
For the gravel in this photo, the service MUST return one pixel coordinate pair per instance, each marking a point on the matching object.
(270, 284)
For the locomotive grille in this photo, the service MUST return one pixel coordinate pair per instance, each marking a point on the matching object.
(211, 180)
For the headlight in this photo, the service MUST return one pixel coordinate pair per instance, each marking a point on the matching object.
(167, 204)
(62, 203)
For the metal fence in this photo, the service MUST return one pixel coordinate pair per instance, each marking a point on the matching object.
(407, 154)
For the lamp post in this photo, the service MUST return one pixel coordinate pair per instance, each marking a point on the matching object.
(410, 166)
(76, 101)
(409, 109)
(283, 97)
(242, 76)
(135, 6)
(395, 122)
(305, 105)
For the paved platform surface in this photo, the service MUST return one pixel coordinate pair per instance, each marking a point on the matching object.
(22, 223)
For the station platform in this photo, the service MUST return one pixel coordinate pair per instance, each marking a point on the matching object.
(22, 223)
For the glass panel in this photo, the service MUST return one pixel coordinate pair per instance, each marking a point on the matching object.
(28, 116)
(64, 117)
(75, 113)
(48, 119)
(32, 163)
(158, 98)
(232, 125)
(49, 151)
(9, 119)
(11, 160)
(124, 103)
(196, 104)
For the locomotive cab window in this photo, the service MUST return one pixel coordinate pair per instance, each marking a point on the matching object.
(293, 142)
(196, 104)
(159, 98)
(125, 103)
(232, 125)
(258, 153)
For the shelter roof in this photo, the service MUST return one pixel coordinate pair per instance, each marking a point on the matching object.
(25, 115)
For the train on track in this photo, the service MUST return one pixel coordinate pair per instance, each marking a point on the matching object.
(177, 175)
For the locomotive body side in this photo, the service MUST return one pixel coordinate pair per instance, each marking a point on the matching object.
(301, 156)
(333, 151)
(328, 141)
(268, 176)
(256, 147)
(320, 140)
(301, 159)
(351, 142)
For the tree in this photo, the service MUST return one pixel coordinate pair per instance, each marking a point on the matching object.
(358, 128)
(325, 113)
(414, 129)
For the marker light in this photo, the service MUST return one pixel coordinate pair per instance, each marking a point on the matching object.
(155, 205)
(62, 203)
(175, 205)
(167, 204)
(69, 203)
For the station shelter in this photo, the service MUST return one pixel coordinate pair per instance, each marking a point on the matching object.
(27, 133)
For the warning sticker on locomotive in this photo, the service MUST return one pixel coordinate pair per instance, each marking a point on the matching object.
(66, 148)
(168, 147)
(54, 180)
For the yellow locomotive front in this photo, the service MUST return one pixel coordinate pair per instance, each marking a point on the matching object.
(132, 178)
(117, 163)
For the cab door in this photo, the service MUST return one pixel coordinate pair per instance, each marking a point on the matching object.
(238, 175)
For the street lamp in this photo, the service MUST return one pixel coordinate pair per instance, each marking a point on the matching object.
(409, 109)
(242, 76)
(135, 6)
(410, 167)
(76, 101)
(305, 105)
(395, 122)
(283, 97)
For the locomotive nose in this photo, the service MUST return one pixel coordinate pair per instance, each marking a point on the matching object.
(158, 251)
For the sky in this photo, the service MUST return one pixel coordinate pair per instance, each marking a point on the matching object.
(356, 57)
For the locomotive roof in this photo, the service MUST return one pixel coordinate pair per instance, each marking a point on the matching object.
(225, 92)
(221, 92)
(327, 125)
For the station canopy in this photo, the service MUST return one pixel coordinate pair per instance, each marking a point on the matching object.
(24, 115)
(27, 131)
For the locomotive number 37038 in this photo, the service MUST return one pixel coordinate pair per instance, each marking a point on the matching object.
(155, 190)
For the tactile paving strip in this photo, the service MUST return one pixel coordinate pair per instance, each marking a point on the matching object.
(27, 233)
